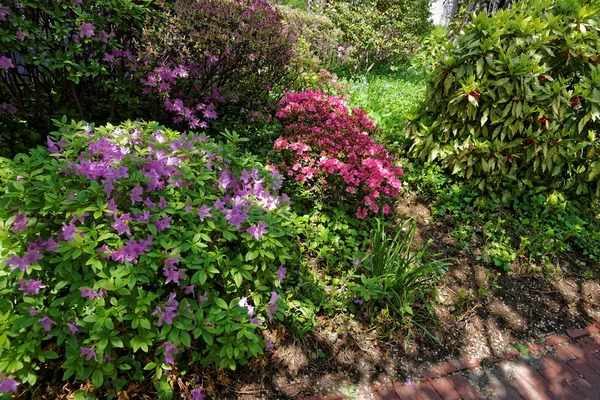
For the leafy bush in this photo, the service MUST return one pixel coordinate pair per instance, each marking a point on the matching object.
(65, 57)
(320, 36)
(203, 56)
(376, 32)
(515, 104)
(331, 149)
(124, 246)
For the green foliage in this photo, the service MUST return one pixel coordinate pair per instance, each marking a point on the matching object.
(515, 103)
(388, 94)
(378, 32)
(129, 283)
(399, 275)
(66, 57)
(318, 39)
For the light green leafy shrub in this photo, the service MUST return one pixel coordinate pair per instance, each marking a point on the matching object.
(376, 32)
(515, 103)
(134, 247)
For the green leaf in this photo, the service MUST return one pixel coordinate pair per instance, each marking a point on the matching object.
(97, 378)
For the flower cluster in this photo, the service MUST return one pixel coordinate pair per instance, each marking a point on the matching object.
(137, 221)
(330, 147)
(221, 53)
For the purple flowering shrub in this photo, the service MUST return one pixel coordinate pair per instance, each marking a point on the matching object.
(133, 247)
(206, 58)
(69, 57)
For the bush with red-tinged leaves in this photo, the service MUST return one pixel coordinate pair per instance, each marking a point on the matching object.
(334, 151)
(205, 57)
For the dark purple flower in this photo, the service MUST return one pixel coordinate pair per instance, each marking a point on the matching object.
(120, 223)
(148, 203)
(89, 293)
(136, 194)
(8, 384)
(46, 323)
(172, 273)
(20, 223)
(204, 212)
(197, 394)
(162, 203)
(281, 273)
(73, 328)
(170, 350)
(202, 298)
(30, 286)
(6, 63)
(163, 224)
(51, 246)
(256, 231)
(89, 353)
(269, 346)
(87, 30)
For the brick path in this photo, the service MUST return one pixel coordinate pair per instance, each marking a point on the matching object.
(563, 367)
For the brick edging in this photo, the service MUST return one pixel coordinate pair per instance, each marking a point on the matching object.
(454, 366)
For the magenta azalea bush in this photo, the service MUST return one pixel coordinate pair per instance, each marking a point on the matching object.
(134, 247)
(211, 54)
(334, 151)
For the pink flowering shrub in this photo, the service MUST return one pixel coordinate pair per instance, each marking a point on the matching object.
(334, 152)
(205, 57)
(133, 247)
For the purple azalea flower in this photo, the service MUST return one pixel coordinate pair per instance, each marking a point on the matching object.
(272, 310)
(163, 224)
(236, 216)
(148, 203)
(89, 353)
(269, 346)
(219, 204)
(145, 217)
(73, 328)
(172, 273)
(68, 232)
(6, 63)
(170, 350)
(20, 223)
(120, 223)
(51, 246)
(90, 294)
(257, 231)
(108, 359)
(8, 384)
(202, 298)
(136, 194)
(281, 273)
(409, 382)
(30, 287)
(274, 298)
(162, 203)
(32, 311)
(197, 394)
(80, 219)
(167, 311)
(255, 321)
(204, 212)
(108, 188)
(111, 205)
(190, 289)
(87, 30)
(46, 323)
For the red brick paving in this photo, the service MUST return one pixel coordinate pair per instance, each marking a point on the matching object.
(571, 371)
